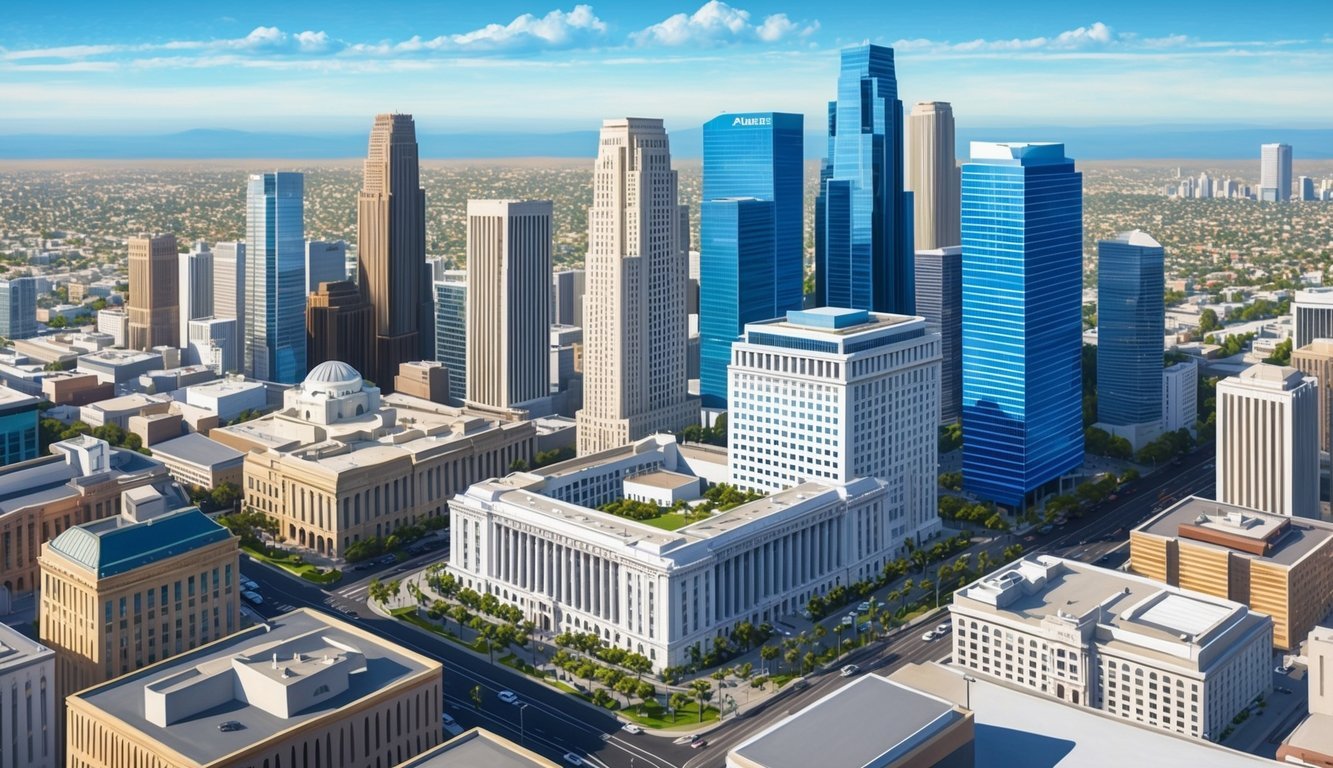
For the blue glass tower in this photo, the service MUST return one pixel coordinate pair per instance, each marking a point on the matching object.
(1022, 221)
(18, 308)
(275, 295)
(863, 217)
(451, 330)
(750, 234)
(1130, 327)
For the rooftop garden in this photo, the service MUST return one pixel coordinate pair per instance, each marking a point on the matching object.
(718, 498)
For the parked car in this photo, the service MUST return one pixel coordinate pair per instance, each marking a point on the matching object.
(573, 759)
(929, 636)
(799, 684)
(253, 597)
(849, 670)
(863, 607)
(508, 697)
(847, 621)
(227, 726)
(451, 725)
(1045, 529)
(249, 583)
(943, 629)
(631, 728)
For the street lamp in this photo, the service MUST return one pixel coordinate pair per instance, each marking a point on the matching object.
(968, 680)
(522, 729)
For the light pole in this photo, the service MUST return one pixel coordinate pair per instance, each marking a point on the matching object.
(522, 729)
(968, 680)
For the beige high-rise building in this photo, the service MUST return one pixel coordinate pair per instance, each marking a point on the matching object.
(302, 690)
(125, 592)
(1268, 441)
(508, 301)
(391, 246)
(634, 311)
(1316, 359)
(154, 303)
(933, 176)
(229, 282)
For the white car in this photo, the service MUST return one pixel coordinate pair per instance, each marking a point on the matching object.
(849, 670)
(451, 725)
(508, 697)
(573, 759)
(847, 621)
(631, 728)
(929, 636)
(253, 597)
(943, 629)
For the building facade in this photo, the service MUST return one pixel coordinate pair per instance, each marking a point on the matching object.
(123, 593)
(939, 300)
(195, 282)
(451, 330)
(1275, 173)
(154, 302)
(1278, 565)
(567, 288)
(274, 319)
(214, 342)
(81, 481)
(863, 216)
(1128, 646)
(229, 282)
(508, 310)
(391, 245)
(306, 688)
(536, 540)
(751, 238)
(28, 697)
(635, 378)
(339, 325)
(18, 426)
(325, 262)
(1022, 320)
(830, 395)
(1312, 316)
(1180, 396)
(338, 465)
(1315, 360)
(194, 459)
(1268, 441)
(18, 308)
(1130, 328)
(932, 176)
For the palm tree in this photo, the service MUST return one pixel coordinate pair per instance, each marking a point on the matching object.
(820, 632)
(677, 702)
(768, 653)
(703, 692)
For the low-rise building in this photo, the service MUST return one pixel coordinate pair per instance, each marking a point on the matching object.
(127, 591)
(1275, 564)
(537, 541)
(425, 379)
(27, 706)
(924, 731)
(194, 459)
(1126, 645)
(477, 748)
(18, 426)
(336, 465)
(1311, 743)
(118, 410)
(80, 482)
(115, 366)
(303, 689)
(76, 389)
(229, 396)
(172, 379)
(115, 323)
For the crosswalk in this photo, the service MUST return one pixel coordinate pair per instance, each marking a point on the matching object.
(354, 593)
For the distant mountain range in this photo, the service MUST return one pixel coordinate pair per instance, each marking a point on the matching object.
(1084, 143)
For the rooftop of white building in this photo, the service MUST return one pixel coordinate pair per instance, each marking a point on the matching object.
(17, 650)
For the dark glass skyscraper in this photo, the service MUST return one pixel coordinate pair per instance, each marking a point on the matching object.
(1022, 221)
(275, 343)
(863, 217)
(1130, 328)
(750, 234)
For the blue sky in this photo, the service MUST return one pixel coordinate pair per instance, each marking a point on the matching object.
(75, 66)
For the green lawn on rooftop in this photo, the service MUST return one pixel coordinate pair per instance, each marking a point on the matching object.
(669, 521)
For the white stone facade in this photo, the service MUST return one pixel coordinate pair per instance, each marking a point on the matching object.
(1180, 396)
(1268, 441)
(27, 703)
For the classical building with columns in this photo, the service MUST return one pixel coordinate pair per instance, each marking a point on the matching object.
(340, 464)
(536, 540)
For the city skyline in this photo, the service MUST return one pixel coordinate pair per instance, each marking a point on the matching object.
(1167, 65)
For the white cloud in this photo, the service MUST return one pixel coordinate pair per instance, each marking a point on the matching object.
(557, 29)
(1095, 35)
(716, 23)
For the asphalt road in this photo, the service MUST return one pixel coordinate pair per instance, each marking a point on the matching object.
(552, 723)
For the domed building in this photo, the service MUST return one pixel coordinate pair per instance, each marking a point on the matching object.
(332, 392)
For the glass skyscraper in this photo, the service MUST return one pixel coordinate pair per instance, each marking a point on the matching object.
(451, 330)
(750, 234)
(1022, 222)
(18, 308)
(1130, 329)
(863, 217)
(275, 295)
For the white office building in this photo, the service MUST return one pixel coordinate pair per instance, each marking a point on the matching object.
(1312, 313)
(830, 395)
(214, 342)
(229, 282)
(1180, 396)
(537, 541)
(114, 323)
(1275, 172)
(196, 287)
(1168, 658)
(1268, 441)
(508, 302)
(27, 702)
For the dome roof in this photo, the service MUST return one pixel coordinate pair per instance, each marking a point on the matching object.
(333, 372)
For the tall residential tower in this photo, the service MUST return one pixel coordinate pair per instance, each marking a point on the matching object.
(932, 175)
(154, 303)
(391, 245)
(634, 313)
(750, 234)
(863, 217)
(1275, 172)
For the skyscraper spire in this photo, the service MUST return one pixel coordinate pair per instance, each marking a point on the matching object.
(391, 245)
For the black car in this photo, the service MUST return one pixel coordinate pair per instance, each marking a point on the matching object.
(229, 725)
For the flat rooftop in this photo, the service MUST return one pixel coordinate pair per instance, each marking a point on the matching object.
(831, 321)
(664, 479)
(1315, 733)
(873, 721)
(12, 398)
(1015, 728)
(17, 650)
(197, 736)
(194, 448)
(51, 478)
(478, 748)
(1246, 532)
